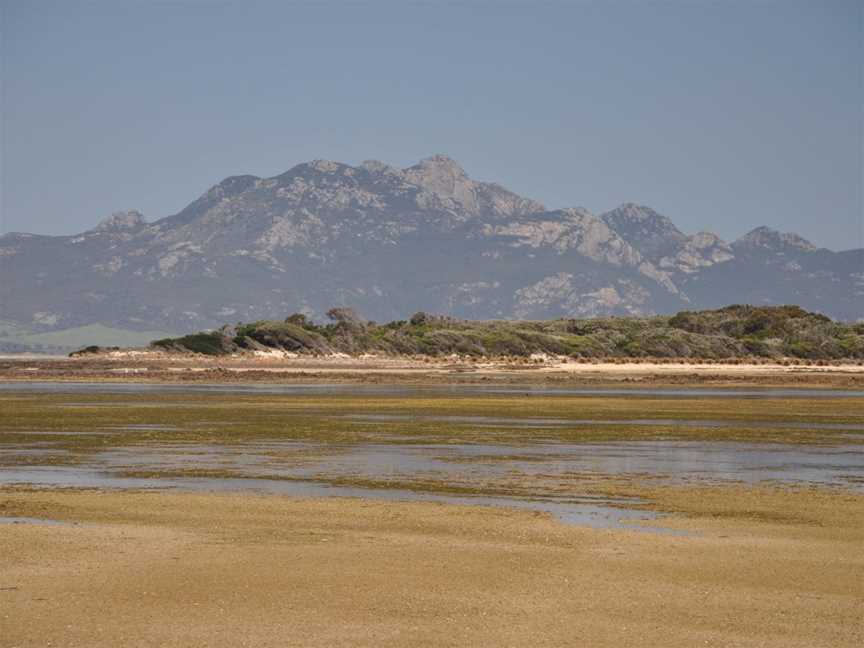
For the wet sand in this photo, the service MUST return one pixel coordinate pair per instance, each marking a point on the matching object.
(168, 569)
(751, 501)
(464, 445)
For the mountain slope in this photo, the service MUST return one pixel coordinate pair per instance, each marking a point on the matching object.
(391, 241)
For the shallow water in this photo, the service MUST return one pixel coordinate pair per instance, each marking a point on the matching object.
(348, 389)
(322, 469)
(303, 469)
(32, 520)
(597, 512)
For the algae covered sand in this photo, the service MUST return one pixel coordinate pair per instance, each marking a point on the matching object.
(727, 519)
(169, 569)
(428, 440)
(451, 415)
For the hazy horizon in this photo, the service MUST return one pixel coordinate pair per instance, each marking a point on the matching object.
(723, 117)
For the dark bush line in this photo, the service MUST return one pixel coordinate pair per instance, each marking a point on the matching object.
(733, 332)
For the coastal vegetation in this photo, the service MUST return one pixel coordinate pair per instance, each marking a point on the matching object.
(733, 332)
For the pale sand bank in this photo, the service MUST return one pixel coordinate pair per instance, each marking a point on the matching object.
(153, 366)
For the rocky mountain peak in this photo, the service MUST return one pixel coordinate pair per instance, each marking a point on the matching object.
(443, 177)
(766, 237)
(633, 212)
(391, 241)
(653, 234)
(445, 185)
(324, 166)
(641, 218)
(121, 221)
(439, 174)
(314, 171)
(440, 165)
(237, 184)
(379, 168)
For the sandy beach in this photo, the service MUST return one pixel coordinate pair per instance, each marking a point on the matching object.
(148, 366)
(170, 506)
(220, 570)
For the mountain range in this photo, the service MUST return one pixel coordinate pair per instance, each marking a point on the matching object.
(389, 242)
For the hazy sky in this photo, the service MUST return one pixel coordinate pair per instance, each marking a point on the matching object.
(723, 115)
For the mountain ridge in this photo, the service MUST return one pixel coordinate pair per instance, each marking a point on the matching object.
(392, 241)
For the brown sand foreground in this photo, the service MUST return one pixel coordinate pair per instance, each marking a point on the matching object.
(766, 567)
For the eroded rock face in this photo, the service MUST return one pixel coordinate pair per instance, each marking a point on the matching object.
(444, 184)
(698, 251)
(391, 242)
(122, 220)
(568, 229)
(621, 297)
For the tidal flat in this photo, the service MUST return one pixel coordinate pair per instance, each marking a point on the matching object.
(351, 515)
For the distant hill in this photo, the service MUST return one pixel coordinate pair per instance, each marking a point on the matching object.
(66, 340)
(731, 332)
(390, 242)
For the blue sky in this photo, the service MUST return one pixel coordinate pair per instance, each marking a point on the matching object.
(721, 115)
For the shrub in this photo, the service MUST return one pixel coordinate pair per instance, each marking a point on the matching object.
(732, 332)
(345, 315)
(210, 343)
(419, 318)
